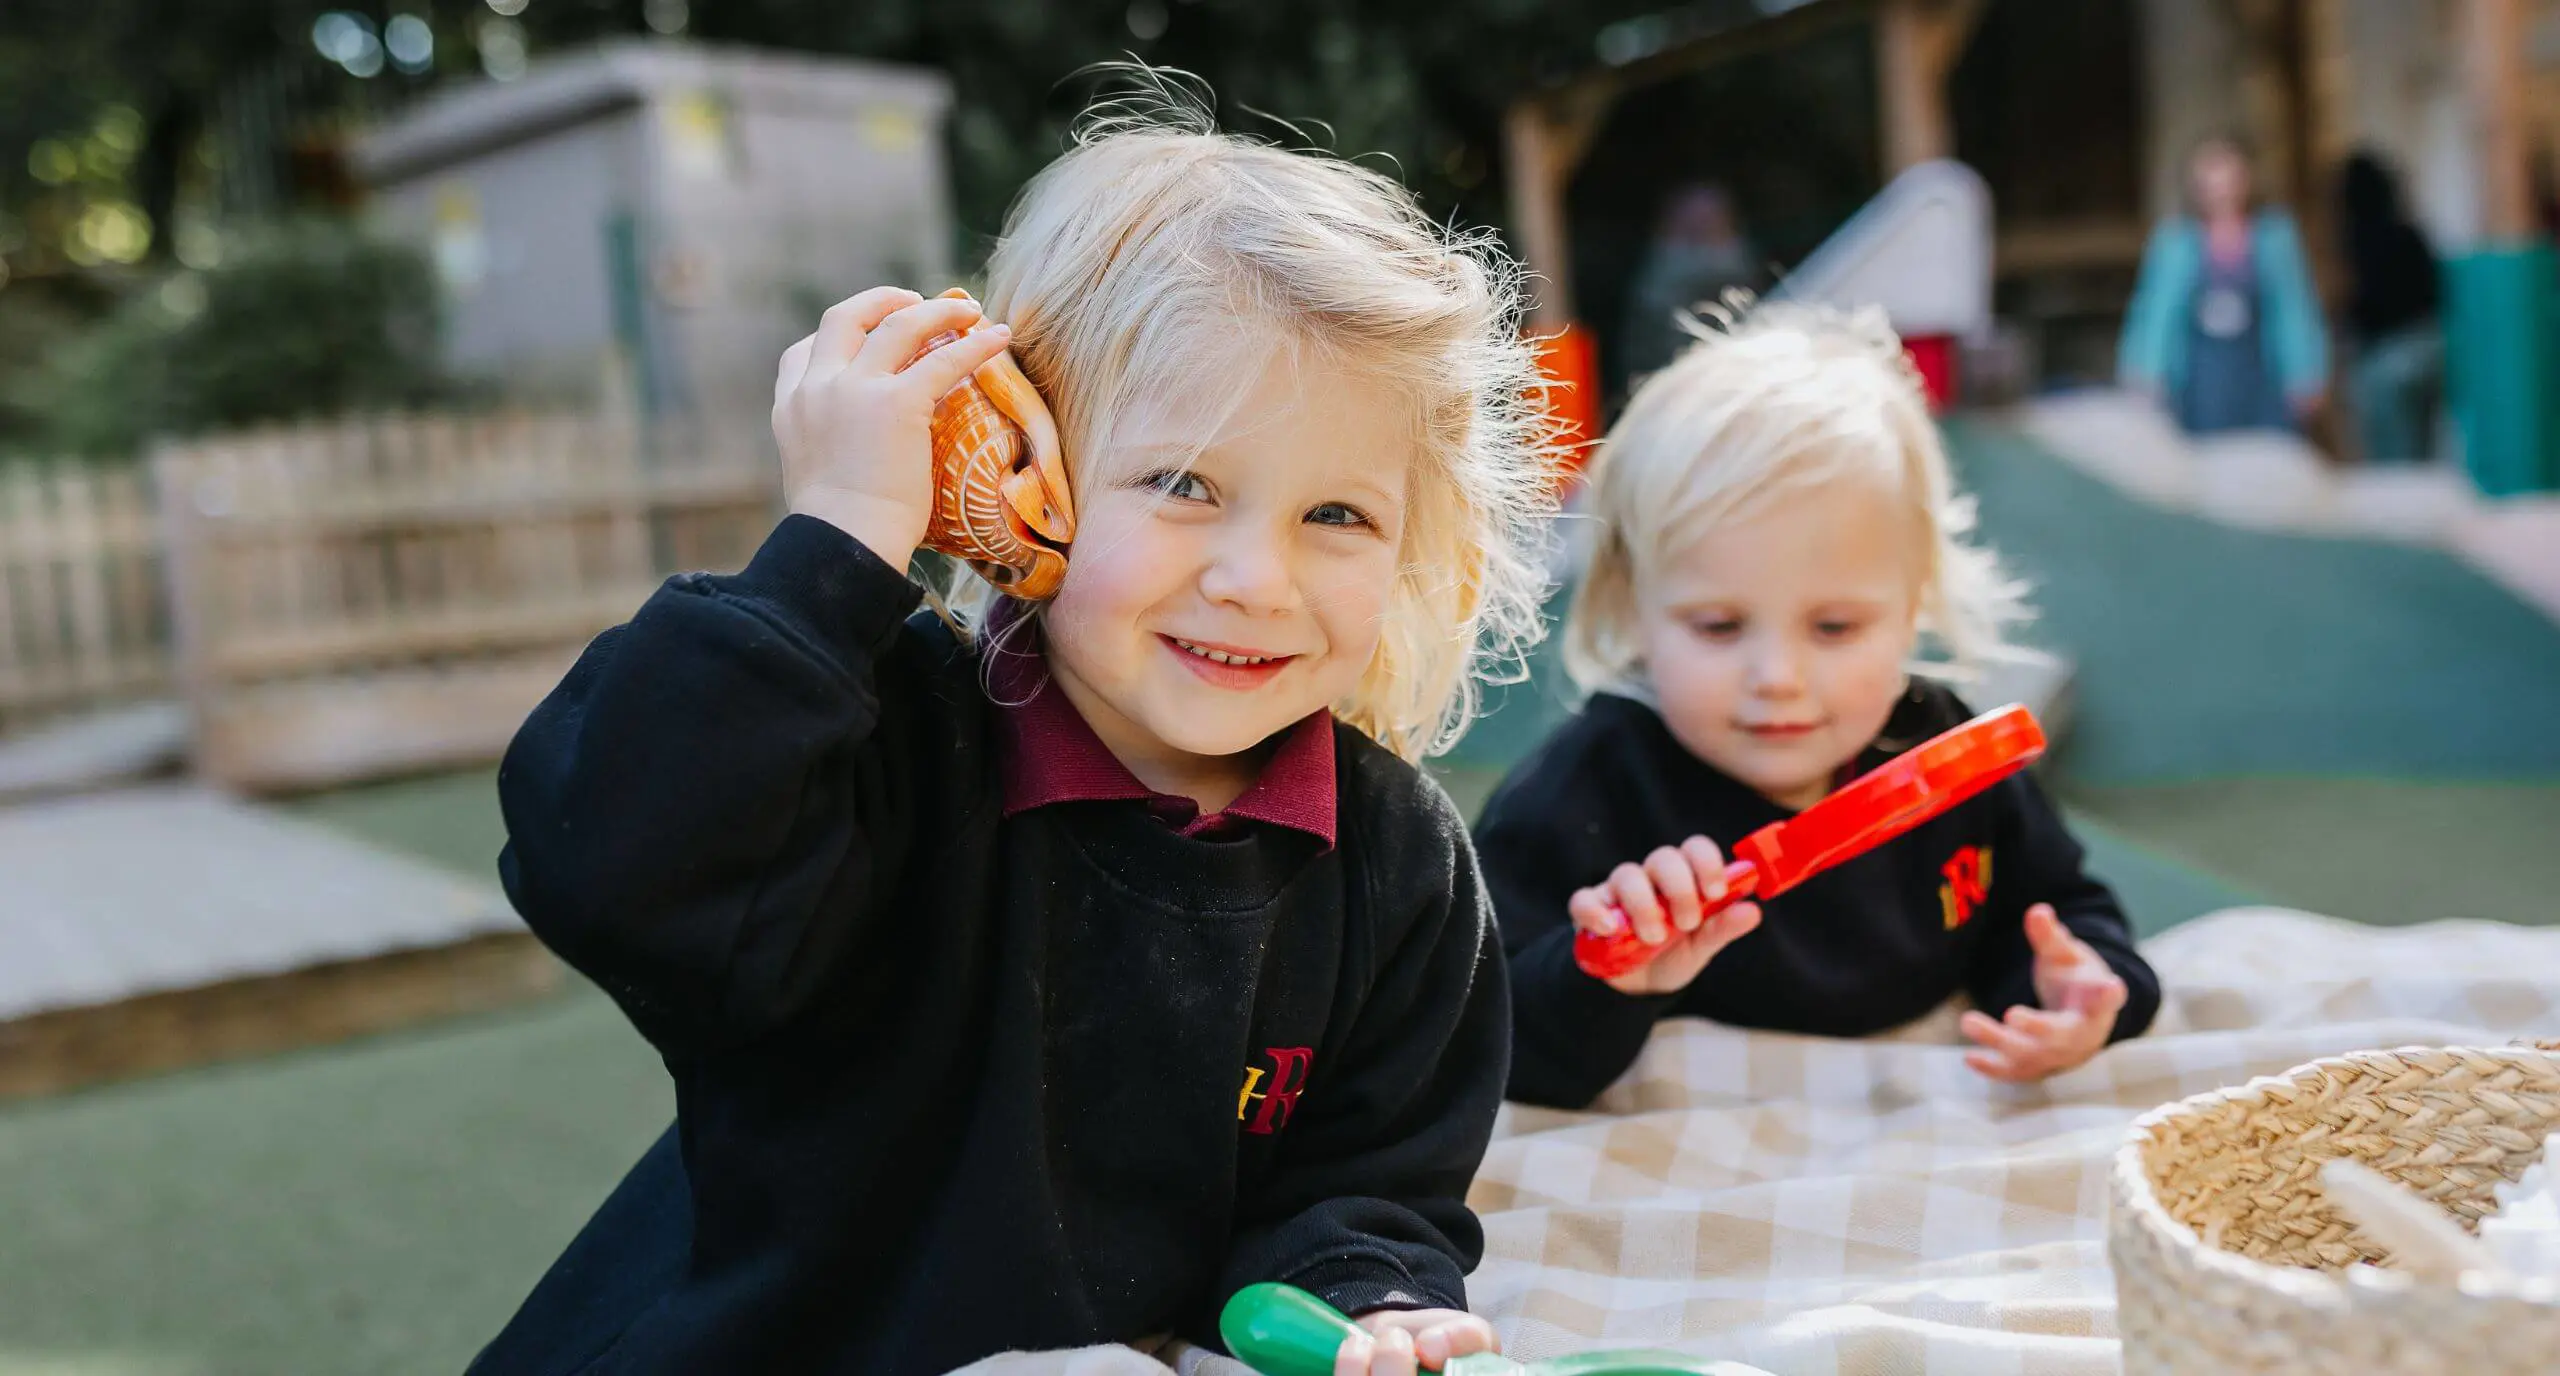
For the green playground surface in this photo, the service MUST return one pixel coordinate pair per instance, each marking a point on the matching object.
(2208, 652)
(2354, 728)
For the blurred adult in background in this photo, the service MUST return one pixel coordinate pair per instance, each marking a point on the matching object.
(2224, 328)
(1699, 253)
(2393, 290)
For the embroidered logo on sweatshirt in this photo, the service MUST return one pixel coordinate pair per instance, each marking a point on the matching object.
(1279, 1099)
(1968, 882)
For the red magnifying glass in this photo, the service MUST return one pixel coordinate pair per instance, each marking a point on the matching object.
(1903, 792)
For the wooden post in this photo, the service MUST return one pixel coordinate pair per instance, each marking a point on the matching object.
(2277, 38)
(1543, 140)
(178, 481)
(17, 665)
(1909, 97)
(2495, 55)
(1917, 44)
(1537, 215)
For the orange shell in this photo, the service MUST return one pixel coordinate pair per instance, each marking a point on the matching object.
(1001, 498)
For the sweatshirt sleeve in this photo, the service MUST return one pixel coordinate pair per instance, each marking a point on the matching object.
(1366, 1208)
(2035, 860)
(1541, 838)
(2150, 319)
(698, 814)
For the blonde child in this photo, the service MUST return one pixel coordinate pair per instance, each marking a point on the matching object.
(1777, 532)
(1042, 983)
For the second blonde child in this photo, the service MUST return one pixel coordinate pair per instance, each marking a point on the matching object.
(1778, 536)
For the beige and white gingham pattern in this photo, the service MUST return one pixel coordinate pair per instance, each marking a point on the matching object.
(1814, 1207)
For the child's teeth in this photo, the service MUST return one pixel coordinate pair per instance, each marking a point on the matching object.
(1221, 656)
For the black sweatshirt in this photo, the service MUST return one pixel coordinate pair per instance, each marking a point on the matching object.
(1868, 945)
(950, 1083)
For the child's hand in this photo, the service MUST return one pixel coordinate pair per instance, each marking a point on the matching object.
(853, 418)
(1665, 898)
(1398, 1341)
(2080, 993)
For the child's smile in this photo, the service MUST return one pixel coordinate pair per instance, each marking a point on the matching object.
(1227, 666)
(1213, 600)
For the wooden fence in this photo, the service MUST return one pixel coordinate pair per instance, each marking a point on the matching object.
(84, 613)
(365, 598)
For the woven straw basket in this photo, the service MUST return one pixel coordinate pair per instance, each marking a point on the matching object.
(2218, 1212)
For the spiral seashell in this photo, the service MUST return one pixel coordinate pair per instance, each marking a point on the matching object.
(1001, 495)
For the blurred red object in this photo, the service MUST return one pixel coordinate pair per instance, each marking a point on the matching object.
(1935, 356)
(1571, 366)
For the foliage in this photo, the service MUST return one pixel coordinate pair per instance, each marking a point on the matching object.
(117, 116)
(1422, 82)
(310, 319)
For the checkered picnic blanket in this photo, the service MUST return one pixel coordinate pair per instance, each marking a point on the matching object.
(1814, 1206)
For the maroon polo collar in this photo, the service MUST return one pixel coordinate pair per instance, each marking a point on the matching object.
(1051, 755)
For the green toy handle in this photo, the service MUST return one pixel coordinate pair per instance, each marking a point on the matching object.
(1281, 1330)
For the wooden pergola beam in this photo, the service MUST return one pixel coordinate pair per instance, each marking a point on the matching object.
(2495, 55)
(1542, 143)
(1918, 43)
(1546, 134)
(2275, 42)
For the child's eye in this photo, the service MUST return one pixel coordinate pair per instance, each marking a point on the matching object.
(1716, 627)
(1836, 628)
(1338, 514)
(1178, 484)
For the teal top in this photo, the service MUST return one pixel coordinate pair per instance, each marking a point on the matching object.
(2152, 355)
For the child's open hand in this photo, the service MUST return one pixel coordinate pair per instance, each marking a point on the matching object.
(1665, 898)
(2080, 993)
(854, 419)
(1397, 1342)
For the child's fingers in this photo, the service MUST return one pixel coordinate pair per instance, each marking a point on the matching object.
(1678, 884)
(1395, 1355)
(794, 366)
(2097, 999)
(1633, 889)
(940, 371)
(2042, 1025)
(1733, 924)
(1709, 863)
(2052, 942)
(1437, 1345)
(1594, 911)
(2111, 999)
(1460, 1338)
(894, 343)
(2006, 1053)
(1999, 1036)
(842, 329)
(1352, 1358)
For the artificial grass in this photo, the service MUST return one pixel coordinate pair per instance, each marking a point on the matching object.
(2209, 652)
(376, 1208)
(2388, 852)
(450, 818)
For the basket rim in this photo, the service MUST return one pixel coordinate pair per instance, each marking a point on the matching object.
(2138, 1205)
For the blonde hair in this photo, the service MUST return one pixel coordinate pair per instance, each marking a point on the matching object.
(1143, 269)
(1782, 398)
